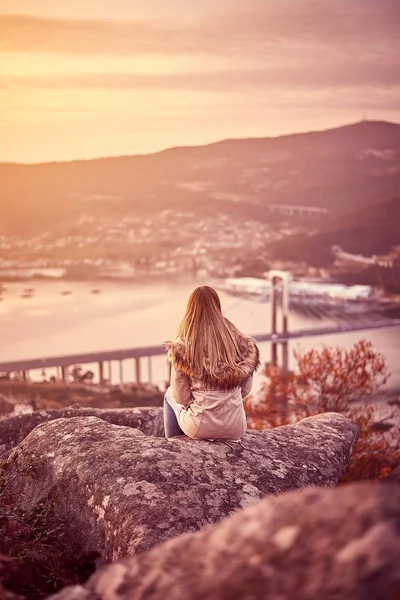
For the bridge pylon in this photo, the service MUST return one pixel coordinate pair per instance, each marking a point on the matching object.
(278, 278)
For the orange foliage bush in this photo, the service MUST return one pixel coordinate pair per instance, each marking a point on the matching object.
(332, 379)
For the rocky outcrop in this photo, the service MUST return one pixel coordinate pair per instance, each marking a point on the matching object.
(341, 544)
(120, 492)
(14, 429)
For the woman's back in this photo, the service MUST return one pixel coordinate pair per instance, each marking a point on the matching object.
(212, 365)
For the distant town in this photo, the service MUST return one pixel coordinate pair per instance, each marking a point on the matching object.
(169, 243)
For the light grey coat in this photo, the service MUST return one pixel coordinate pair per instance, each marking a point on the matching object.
(212, 407)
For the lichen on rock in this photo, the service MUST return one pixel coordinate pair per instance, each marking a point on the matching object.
(121, 492)
(333, 544)
(14, 428)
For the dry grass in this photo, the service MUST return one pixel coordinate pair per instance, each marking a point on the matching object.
(37, 558)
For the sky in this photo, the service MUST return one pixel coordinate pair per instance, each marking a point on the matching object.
(112, 77)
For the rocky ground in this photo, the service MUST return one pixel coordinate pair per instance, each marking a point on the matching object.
(86, 486)
(333, 544)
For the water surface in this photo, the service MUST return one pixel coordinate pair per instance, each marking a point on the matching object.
(68, 318)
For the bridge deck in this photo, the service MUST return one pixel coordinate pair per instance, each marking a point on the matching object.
(147, 351)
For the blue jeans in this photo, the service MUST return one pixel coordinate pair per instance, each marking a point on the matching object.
(172, 411)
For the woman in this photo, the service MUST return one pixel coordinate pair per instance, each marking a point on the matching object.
(212, 366)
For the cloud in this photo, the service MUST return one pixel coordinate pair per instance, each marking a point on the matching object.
(261, 27)
(260, 46)
(308, 76)
(37, 34)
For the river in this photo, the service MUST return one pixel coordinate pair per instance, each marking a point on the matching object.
(68, 318)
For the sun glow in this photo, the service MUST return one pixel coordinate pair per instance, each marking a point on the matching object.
(122, 76)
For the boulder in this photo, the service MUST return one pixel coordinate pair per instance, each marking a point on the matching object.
(120, 492)
(14, 428)
(333, 544)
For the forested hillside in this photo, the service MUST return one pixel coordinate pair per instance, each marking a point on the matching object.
(372, 229)
(338, 169)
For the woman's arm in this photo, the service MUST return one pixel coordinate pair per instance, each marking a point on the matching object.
(180, 387)
(246, 386)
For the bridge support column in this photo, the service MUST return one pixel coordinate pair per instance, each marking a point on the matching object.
(101, 373)
(121, 373)
(137, 370)
(274, 346)
(65, 374)
(285, 357)
(149, 369)
(25, 375)
(110, 371)
(285, 317)
(169, 367)
(275, 277)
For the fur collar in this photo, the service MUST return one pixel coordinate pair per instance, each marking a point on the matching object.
(226, 378)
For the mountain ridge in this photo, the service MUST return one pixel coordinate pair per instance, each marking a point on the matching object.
(372, 230)
(214, 144)
(335, 170)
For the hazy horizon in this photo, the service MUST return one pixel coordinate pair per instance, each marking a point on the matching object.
(123, 77)
(205, 144)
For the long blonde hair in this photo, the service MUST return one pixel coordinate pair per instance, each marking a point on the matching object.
(210, 339)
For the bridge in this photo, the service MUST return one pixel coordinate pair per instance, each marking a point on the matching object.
(139, 354)
(385, 262)
(296, 209)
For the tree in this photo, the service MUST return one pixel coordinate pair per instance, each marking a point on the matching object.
(333, 379)
(78, 375)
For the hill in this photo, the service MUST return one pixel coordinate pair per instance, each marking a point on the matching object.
(339, 169)
(368, 230)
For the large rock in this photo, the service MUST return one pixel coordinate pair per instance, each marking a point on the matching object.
(341, 544)
(120, 492)
(14, 428)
